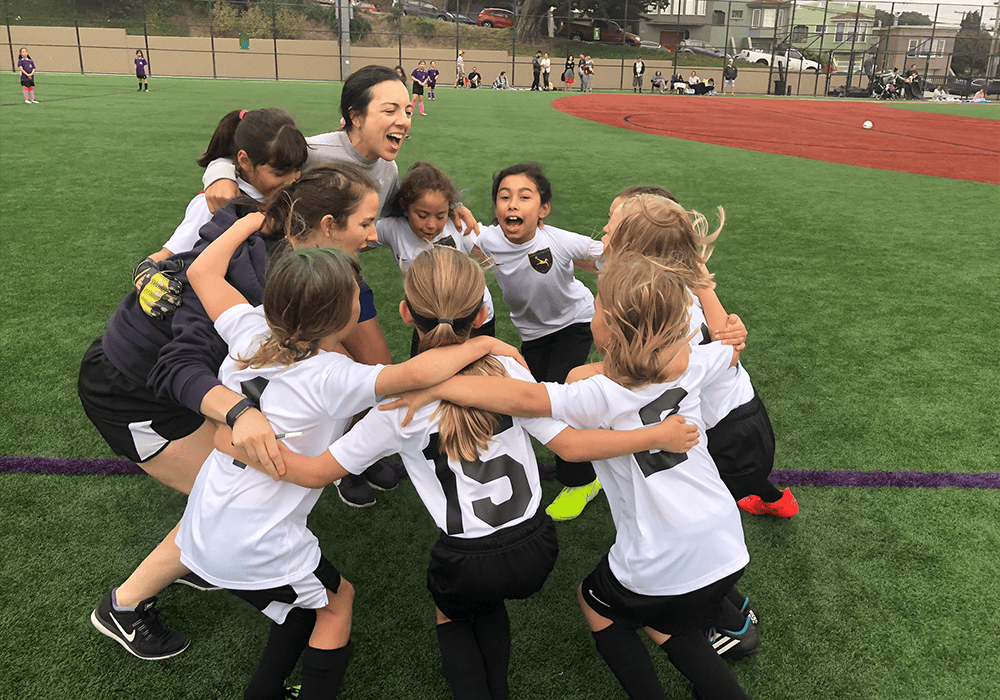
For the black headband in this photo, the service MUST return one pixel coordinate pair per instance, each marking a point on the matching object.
(428, 324)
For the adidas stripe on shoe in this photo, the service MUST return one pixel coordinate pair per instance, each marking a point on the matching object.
(731, 644)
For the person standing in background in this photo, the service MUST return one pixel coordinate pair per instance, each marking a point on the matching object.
(141, 68)
(536, 70)
(460, 70)
(638, 68)
(729, 74)
(27, 68)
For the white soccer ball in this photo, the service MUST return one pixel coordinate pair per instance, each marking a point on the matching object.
(867, 125)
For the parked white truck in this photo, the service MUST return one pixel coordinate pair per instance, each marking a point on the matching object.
(790, 58)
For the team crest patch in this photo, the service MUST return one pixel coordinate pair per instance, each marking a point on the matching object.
(541, 260)
(447, 242)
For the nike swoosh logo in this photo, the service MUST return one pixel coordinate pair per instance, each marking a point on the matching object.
(128, 637)
(589, 590)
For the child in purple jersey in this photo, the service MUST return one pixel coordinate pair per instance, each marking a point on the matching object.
(141, 68)
(432, 80)
(420, 81)
(27, 68)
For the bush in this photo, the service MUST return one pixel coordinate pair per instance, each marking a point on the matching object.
(322, 14)
(257, 21)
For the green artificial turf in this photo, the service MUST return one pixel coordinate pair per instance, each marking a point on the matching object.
(871, 299)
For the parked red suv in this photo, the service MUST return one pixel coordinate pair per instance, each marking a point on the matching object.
(495, 17)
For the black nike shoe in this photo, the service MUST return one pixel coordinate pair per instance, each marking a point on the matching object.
(139, 631)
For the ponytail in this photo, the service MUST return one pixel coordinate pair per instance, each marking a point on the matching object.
(221, 145)
(444, 295)
(268, 136)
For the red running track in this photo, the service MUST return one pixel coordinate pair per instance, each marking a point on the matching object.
(909, 141)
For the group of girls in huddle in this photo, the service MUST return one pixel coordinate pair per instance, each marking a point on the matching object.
(214, 341)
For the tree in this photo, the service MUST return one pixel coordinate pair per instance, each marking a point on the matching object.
(914, 19)
(971, 52)
(884, 19)
(972, 20)
(532, 17)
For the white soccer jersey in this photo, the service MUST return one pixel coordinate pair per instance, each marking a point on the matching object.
(468, 499)
(537, 279)
(185, 236)
(396, 233)
(241, 529)
(678, 528)
(729, 391)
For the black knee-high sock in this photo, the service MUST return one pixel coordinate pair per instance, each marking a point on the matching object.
(694, 657)
(285, 643)
(735, 597)
(623, 652)
(461, 661)
(322, 672)
(767, 491)
(729, 616)
(493, 638)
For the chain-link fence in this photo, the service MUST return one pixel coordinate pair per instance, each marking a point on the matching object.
(777, 46)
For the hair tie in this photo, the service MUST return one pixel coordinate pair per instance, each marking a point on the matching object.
(243, 113)
(446, 320)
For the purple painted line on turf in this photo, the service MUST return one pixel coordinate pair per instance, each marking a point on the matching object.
(788, 477)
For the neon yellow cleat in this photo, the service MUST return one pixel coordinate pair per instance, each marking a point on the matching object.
(572, 499)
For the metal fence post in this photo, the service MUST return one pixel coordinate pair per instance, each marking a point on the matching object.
(930, 47)
(211, 34)
(513, 45)
(274, 35)
(10, 42)
(79, 49)
(145, 36)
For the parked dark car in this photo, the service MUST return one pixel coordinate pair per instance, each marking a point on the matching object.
(495, 17)
(700, 47)
(422, 8)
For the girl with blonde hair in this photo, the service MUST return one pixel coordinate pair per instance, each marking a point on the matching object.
(679, 545)
(476, 474)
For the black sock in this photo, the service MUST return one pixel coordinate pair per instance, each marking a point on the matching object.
(729, 616)
(322, 672)
(493, 637)
(623, 652)
(768, 493)
(285, 643)
(736, 598)
(694, 657)
(461, 661)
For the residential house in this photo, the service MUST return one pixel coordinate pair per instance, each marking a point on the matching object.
(927, 47)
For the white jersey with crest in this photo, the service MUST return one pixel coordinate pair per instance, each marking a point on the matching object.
(678, 528)
(396, 233)
(467, 499)
(732, 389)
(185, 236)
(537, 279)
(241, 529)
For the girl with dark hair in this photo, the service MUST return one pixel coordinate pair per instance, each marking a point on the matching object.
(549, 306)
(27, 70)
(426, 199)
(141, 68)
(476, 474)
(269, 151)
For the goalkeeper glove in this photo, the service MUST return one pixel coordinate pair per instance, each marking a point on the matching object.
(159, 293)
